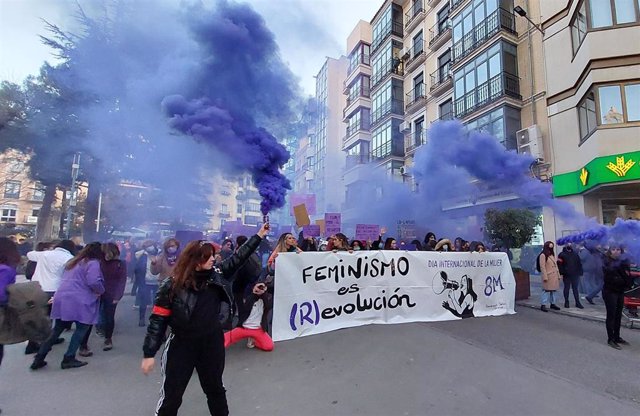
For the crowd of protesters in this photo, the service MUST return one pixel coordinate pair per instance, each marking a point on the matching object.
(85, 284)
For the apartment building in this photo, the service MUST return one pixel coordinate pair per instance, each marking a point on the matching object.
(592, 58)
(21, 198)
(328, 158)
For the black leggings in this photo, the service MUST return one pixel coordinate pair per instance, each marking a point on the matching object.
(614, 302)
(179, 358)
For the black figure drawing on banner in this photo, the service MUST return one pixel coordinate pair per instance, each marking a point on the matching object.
(461, 295)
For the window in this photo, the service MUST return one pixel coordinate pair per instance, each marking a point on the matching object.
(446, 110)
(35, 211)
(632, 101)
(381, 141)
(579, 27)
(251, 220)
(38, 194)
(418, 44)
(12, 189)
(442, 17)
(587, 115)
(609, 105)
(605, 13)
(418, 86)
(611, 111)
(224, 209)
(16, 166)
(501, 123)
(239, 209)
(8, 213)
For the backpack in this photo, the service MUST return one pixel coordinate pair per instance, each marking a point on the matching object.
(538, 263)
(26, 315)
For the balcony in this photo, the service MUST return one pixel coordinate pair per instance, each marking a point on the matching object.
(439, 34)
(414, 16)
(357, 97)
(455, 4)
(500, 20)
(394, 66)
(432, 3)
(354, 170)
(445, 117)
(502, 85)
(357, 132)
(224, 214)
(418, 55)
(441, 81)
(363, 67)
(413, 141)
(386, 109)
(416, 99)
(392, 28)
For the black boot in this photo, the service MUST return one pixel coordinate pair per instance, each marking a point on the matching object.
(38, 362)
(543, 308)
(71, 362)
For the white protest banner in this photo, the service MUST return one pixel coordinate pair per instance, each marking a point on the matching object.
(321, 292)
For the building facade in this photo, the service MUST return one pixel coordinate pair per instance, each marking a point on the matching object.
(328, 157)
(593, 104)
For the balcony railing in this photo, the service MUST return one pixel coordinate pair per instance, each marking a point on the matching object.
(364, 59)
(393, 27)
(413, 13)
(364, 125)
(415, 140)
(415, 95)
(355, 93)
(393, 66)
(441, 76)
(418, 54)
(499, 86)
(446, 116)
(389, 107)
(499, 20)
(438, 31)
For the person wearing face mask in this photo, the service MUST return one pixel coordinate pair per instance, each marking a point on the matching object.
(189, 304)
(617, 279)
(356, 245)
(147, 282)
(163, 264)
(548, 267)
(570, 268)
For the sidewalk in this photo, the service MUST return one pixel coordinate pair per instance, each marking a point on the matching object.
(590, 312)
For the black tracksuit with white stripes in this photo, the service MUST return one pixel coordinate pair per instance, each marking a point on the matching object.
(196, 339)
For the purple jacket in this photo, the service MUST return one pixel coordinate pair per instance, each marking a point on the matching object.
(78, 296)
(7, 277)
(115, 279)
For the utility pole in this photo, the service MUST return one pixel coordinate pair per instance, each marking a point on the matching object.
(73, 197)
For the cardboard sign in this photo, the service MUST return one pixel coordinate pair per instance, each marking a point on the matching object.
(407, 229)
(301, 214)
(308, 200)
(332, 223)
(367, 232)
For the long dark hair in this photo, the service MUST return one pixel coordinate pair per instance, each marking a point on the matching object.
(9, 254)
(92, 251)
(547, 250)
(194, 254)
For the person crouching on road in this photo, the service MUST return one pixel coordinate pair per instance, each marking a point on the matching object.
(254, 318)
(189, 303)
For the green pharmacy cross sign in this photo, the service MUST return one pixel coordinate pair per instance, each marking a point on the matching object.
(602, 170)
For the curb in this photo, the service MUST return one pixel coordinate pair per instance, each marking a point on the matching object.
(564, 312)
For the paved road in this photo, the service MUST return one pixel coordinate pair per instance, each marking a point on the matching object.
(530, 363)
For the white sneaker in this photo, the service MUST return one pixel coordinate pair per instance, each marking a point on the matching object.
(251, 343)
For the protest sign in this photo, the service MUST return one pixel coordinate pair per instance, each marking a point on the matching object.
(367, 232)
(327, 291)
(332, 223)
(311, 230)
(301, 214)
(308, 200)
(320, 223)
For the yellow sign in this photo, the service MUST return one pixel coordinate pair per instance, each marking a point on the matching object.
(584, 176)
(621, 168)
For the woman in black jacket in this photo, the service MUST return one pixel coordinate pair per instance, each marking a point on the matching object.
(189, 303)
(617, 279)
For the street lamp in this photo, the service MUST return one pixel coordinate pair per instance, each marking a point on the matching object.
(521, 12)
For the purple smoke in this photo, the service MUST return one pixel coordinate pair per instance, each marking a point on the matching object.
(623, 232)
(254, 151)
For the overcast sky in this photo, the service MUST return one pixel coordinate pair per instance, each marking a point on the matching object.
(307, 31)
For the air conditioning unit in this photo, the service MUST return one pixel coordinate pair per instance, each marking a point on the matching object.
(403, 170)
(530, 141)
(405, 126)
(405, 53)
